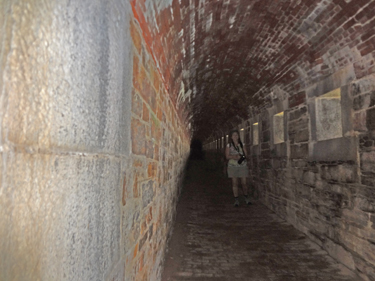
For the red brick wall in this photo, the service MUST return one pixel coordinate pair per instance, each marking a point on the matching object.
(160, 146)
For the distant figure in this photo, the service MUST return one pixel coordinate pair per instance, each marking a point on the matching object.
(236, 153)
(196, 151)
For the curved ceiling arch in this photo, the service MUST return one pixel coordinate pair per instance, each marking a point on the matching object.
(221, 58)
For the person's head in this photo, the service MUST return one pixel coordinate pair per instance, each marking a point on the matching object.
(234, 136)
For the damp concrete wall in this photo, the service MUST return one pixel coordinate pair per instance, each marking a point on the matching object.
(90, 163)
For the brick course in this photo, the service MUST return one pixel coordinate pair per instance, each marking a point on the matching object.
(153, 114)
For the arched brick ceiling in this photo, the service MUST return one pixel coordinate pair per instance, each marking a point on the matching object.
(219, 58)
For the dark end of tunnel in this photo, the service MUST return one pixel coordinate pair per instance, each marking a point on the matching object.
(196, 150)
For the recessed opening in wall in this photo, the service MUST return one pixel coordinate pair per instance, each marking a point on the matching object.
(328, 116)
(242, 134)
(255, 133)
(278, 128)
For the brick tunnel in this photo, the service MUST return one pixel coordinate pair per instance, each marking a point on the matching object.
(100, 101)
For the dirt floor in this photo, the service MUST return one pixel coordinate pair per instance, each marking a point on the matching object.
(213, 240)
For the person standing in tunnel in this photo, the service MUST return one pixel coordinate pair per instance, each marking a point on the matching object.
(235, 153)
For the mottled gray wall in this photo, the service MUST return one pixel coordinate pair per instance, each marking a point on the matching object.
(65, 81)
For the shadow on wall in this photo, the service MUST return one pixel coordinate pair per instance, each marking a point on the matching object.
(196, 150)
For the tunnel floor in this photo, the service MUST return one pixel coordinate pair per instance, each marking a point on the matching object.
(213, 240)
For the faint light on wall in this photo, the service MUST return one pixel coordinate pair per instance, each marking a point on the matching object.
(255, 134)
(278, 128)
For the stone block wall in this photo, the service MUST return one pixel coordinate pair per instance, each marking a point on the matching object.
(92, 149)
(324, 187)
(321, 177)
